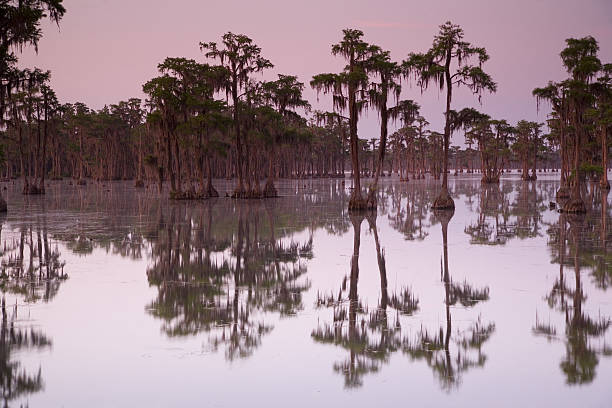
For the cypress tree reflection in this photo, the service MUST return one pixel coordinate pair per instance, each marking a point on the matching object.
(15, 381)
(31, 271)
(224, 282)
(603, 264)
(411, 221)
(493, 208)
(584, 335)
(435, 349)
(369, 340)
(581, 355)
(527, 209)
(29, 266)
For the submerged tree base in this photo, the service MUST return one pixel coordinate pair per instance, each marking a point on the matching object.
(443, 202)
(248, 194)
(358, 203)
(139, 184)
(489, 180)
(270, 191)
(239, 193)
(210, 192)
(81, 182)
(563, 193)
(605, 185)
(33, 190)
(193, 195)
(3, 206)
(574, 206)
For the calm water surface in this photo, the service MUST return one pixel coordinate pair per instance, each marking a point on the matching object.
(117, 298)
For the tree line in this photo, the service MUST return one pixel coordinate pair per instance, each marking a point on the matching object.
(218, 119)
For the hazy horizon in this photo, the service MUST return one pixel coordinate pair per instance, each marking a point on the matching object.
(105, 50)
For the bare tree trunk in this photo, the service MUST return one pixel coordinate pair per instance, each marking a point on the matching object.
(269, 189)
(373, 191)
(576, 204)
(210, 189)
(604, 159)
(81, 180)
(444, 200)
(535, 156)
(239, 191)
(43, 160)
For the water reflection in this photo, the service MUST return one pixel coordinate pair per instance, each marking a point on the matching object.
(29, 266)
(230, 273)
(581, 355)
(435, 348)
(410, 219)
(579, 242)
(225, 274)
(528, 208)
(32, 270)
(15, 381)
(367, 336)
(493, 226)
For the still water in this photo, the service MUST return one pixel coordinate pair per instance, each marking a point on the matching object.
(117, 298)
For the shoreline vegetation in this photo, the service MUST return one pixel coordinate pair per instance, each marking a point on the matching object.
(214, 118)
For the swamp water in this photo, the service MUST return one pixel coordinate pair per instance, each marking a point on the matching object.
(115, 298)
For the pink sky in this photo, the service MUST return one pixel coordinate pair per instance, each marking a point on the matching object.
(106, 49)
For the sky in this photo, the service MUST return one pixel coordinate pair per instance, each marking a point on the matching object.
(104, 50)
